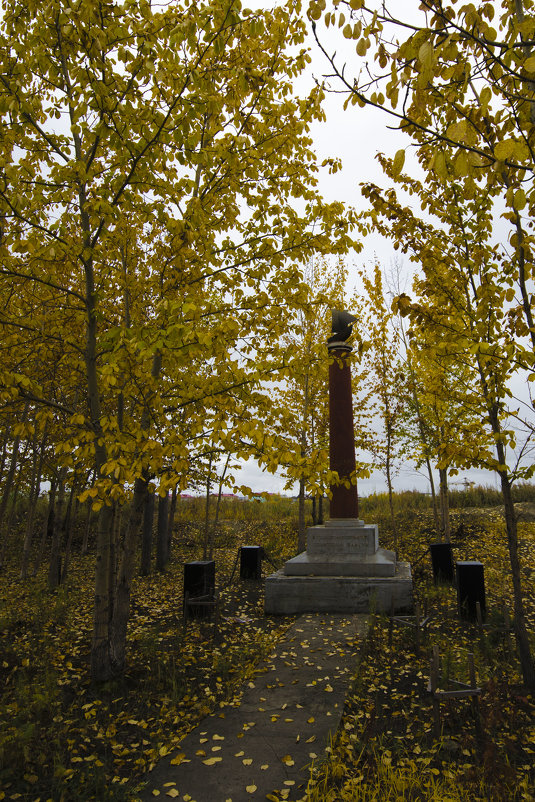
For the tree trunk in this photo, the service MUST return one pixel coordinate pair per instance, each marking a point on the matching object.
(433, 493)
(444, 505)
(6, 495)
(68, 532)
(388, 473)
(207, 511)
(213, 528)
(101, 664)
(301, 522)
(161, 540)
(32, 504)
(87, 528)
(5, 440)
(171, 522)
(48, 526)
(121, 609)
(320, 510)
(522, 637)
(146, 536)
(54, 565)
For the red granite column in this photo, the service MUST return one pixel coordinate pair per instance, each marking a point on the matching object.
(344, 502)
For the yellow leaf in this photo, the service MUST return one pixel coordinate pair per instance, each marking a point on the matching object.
(399, 161)
(439, 165)
(176, 761)
(519, 200)
(212, 760)
(172, 792)
(311, 720)
(288, 760)
(362, 47)
(247, 761)
(529, 64)
(250, 789)
(504, 150)
(425, 55)
(461, 164)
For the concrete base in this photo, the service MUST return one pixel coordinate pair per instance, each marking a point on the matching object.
(291, 595)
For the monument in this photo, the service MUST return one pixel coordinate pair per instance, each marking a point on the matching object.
(343, 569)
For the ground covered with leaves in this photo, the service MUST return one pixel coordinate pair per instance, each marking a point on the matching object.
(62, 738)
(390, 745)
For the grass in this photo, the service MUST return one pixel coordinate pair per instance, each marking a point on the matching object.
(62, 738)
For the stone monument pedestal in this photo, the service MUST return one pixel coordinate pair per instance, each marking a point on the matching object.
(343, 570)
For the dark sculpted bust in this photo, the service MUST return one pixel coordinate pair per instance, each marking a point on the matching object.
(342, 326)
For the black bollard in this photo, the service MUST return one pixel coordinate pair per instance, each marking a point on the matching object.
(251, 562)
(442, 561)
(470, 589)
(199, 583)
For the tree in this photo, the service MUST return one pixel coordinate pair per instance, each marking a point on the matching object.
(300, 416)
(462, 318)
(155, 158)
(383, 394)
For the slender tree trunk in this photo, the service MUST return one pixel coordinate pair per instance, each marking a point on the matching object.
(3, 458)
(101, 664)
(320, 510)
(6, 495)
(301, 518)
(388, 473)
(54, 564)
(32, 504)
(444, 505)
(218, 507)
(522, 638)
(171, 522)
(207, 511)
(68, 531)
(146, 536)
(161, 540)
(121, 610)
(433, 493)
(87, 528)
(48, 526)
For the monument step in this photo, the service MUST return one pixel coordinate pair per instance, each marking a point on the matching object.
(291, 595)
(381, 563)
